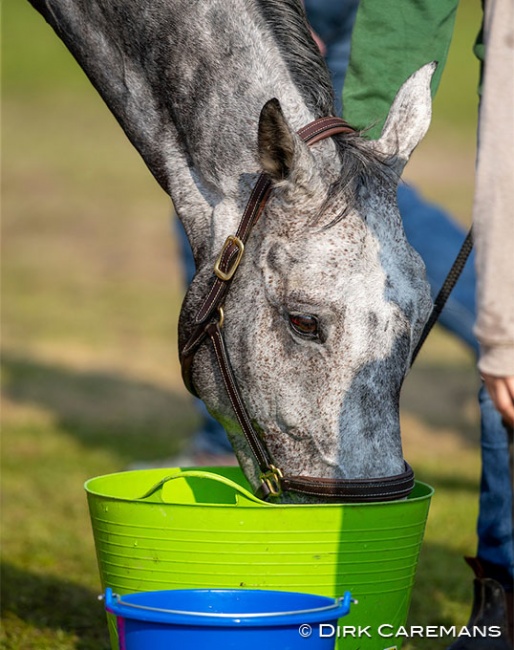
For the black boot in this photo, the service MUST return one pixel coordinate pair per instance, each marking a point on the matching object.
(491, 606)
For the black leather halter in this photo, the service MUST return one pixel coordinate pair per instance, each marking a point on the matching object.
(208, 324)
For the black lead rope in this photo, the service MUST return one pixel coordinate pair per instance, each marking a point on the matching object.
(445, 291)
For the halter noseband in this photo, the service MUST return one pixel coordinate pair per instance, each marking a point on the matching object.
(208, 323)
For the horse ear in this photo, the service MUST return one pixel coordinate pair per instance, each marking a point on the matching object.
(282, 153)
(408, 119)
(275, 141)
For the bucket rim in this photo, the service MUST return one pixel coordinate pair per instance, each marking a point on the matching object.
(336, 608)
(212, 474)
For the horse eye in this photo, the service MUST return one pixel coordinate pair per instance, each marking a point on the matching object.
(304, 325)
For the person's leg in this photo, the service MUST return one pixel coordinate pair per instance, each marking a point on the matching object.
(494, 527)
(333, 22)
(186, 254)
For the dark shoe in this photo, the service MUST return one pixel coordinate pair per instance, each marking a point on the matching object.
(490, 612)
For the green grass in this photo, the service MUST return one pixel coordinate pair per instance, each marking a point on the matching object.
(91, 292)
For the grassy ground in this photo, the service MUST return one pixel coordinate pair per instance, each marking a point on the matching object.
(91, 292)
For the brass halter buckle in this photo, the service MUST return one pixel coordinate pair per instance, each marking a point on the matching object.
(231, 240)
(271, 479)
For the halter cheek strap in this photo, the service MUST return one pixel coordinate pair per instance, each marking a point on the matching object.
(208, 324)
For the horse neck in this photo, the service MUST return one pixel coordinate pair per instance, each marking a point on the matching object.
(217, 98)
(186, 81)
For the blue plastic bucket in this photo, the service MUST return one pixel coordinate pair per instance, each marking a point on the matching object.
(226, 619)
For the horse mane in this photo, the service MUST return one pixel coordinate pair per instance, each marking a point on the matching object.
(361, 167)
(360, 164)
(288, 23)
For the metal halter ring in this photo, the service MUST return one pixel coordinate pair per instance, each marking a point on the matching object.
(221, 314)
(271, 479)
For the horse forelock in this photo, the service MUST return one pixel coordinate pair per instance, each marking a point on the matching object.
(362, 167)
(287, 21)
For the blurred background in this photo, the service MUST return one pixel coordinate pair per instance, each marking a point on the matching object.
(91, 292)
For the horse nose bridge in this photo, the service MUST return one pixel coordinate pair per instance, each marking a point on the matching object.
(369, 443)
(369, 409)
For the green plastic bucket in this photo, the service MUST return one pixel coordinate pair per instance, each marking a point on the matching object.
(191, 529)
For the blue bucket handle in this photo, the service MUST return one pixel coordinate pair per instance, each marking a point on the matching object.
(197, 473)
(113, 600)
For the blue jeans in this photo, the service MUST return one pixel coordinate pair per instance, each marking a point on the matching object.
(437, 238)
(333, 21)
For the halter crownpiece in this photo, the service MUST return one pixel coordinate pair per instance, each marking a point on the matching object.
(208, 323)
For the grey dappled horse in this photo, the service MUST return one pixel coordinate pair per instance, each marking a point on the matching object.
(329, 299)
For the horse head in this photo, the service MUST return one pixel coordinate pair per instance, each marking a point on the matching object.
(329, 299)
(328, 302)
